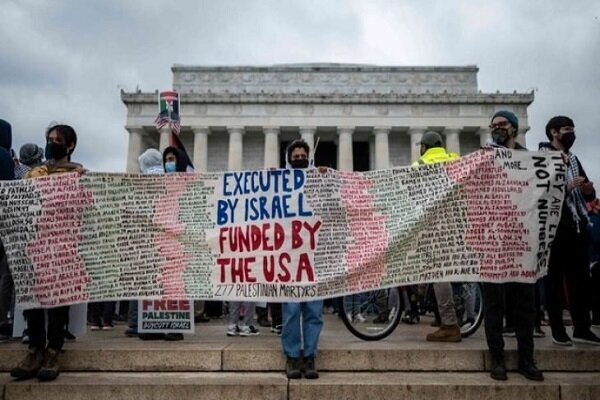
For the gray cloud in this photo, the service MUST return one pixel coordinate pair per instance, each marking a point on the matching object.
(67, 60)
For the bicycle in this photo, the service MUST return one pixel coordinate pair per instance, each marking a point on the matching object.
(375, 315)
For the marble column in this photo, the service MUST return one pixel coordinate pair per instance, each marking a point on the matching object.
(236, 149)
(484, 136)
(452, 139)
(415, 137)
(271, 147)
(382, 147)
(345, 156)
(307, 133)
(134, 148)
(165, 138)
(201, 147)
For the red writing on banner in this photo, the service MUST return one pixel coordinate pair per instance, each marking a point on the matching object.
(166, 305)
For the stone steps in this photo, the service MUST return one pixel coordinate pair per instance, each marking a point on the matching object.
(210, 365)
(330, 385)
(261, 357)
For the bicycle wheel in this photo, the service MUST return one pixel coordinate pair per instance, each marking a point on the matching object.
(469, 305)
(372, 315)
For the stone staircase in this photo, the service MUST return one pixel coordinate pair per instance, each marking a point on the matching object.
(210, 365)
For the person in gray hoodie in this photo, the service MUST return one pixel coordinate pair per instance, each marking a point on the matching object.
(150, 162)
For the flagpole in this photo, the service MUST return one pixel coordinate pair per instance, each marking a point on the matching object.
(170, 123)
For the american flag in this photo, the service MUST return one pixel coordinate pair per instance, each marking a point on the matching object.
(162, 120)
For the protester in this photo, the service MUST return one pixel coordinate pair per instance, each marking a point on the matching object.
(45, 344)
(7, 172)
(173, 160)
(150, 162)
(432, 151)
(594, 214)
(247, 328)
(30, 155)
(569, 255)
(302, 322)
(102, 315)
(521, 296)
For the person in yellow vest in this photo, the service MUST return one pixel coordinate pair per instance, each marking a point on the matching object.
(46, 340)
(433, 151)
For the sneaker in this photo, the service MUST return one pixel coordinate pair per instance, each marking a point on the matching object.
(49, 370)
(498, 371)
(531, 372)
(69, 337)
(509, 331)
(109, 327)
(25, 337)
(233, 330)
(30, 365)
(249, 331)
(586, 337)
(173, 337)
(445, 334)
(382, 318)
(561, 339)
(276, 329)
(411, 319)
(95, 327)
(292, 368)
(538, 332)
(310, 370)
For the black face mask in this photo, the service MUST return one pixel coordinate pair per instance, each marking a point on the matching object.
(500, 135)
(56, 151)
(567, 140)
(302, 163)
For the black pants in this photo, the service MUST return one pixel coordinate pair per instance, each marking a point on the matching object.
(102, 311)
(596, 294)
(523, 299)
(276, 317)
(36, 325)
(6, 288)
(569, 261)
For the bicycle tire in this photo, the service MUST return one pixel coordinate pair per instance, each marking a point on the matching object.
(466, 331)
(368, 305)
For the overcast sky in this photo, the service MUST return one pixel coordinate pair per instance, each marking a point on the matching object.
(66, 61)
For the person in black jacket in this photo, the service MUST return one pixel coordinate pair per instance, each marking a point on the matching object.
(569, 256)
(504, 126)
(7, 173)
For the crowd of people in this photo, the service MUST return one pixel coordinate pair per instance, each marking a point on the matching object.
(511, 309)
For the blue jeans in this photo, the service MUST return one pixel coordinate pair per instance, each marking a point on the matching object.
(294, 328)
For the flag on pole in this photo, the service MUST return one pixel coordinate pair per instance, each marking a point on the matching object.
(168, 114)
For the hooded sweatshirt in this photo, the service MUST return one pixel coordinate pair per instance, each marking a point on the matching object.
(7, 165)
(151, 162)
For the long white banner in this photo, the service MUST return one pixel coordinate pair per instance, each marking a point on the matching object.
(280, 235)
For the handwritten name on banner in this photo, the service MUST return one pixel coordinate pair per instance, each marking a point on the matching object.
(281, 235)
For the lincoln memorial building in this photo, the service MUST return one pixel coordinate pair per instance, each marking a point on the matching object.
(365, 116)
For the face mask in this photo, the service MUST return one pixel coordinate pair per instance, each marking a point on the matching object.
(170, 166)
(567, 140)
(56, 151)
(500, 135)
(302, 163)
